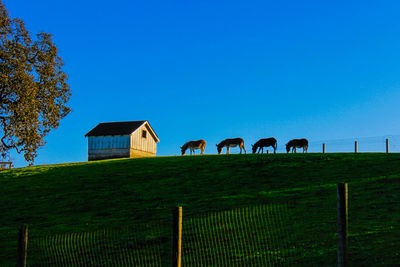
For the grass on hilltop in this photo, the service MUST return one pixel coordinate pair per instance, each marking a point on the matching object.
(90, 196)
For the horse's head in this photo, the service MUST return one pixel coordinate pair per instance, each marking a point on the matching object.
(287, 148)
(183, 150)
(219, 148)
(254, 148)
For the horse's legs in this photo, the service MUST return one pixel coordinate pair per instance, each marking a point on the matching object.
(244, 149)
(227, 150)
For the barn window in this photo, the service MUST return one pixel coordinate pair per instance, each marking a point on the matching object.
(144, 133)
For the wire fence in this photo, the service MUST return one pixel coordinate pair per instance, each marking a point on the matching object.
(133, 245)
(253, 236)
(300, 231)
(364, 144)
(263, 235)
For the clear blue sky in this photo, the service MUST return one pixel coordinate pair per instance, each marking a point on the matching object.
(220, 69)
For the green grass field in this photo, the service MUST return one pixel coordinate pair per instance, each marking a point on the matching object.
(91, 196)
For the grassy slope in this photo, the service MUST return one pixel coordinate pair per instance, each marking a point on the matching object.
(88, 196)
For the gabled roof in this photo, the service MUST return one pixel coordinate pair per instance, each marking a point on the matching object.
(117, 128)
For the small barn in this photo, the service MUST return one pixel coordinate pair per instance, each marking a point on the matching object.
(128, 139)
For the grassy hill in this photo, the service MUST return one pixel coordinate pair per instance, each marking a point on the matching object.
(89, 196)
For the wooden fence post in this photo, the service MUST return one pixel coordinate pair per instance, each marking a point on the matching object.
(355, 147)
(177, 237)
(342, 213)
(387, 145)
(22, 245)
(267, 151)
(323, 148)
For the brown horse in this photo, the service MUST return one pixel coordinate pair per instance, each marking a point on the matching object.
(297, 143)
(228, 143)
(192, 145)
(266, 142)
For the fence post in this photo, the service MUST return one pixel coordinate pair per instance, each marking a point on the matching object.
(267, 151)
(323, 148)
(342, 213)
(387, 145)
(177, 237)
(22, 246)
(355, 147)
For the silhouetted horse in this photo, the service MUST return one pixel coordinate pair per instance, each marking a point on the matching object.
(228, 143)
(192, 145)
(297, 143)
(266, 142)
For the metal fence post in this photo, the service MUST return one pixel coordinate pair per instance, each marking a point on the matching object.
(342, 213)
(22, 246)
(177, 237)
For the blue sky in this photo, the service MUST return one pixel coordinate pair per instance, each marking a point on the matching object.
(219, 69)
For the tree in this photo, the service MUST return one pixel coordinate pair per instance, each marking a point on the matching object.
(33, 88)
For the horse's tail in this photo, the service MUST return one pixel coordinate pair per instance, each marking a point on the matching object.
(203, 146)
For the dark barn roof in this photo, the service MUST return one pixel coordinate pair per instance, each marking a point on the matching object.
(115, 128)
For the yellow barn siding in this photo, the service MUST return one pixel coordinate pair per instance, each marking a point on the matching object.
(134, 153)
(147, 144)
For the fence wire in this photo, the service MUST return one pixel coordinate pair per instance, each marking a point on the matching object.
(364, 144)
(242, 237)
(137, 245)
(264, 235)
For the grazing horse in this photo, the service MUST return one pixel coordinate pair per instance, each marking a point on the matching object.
(266, 142)
(228, 143)
(297, 143)
(192, 145)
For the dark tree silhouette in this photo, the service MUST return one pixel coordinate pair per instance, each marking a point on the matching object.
(33, 88)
